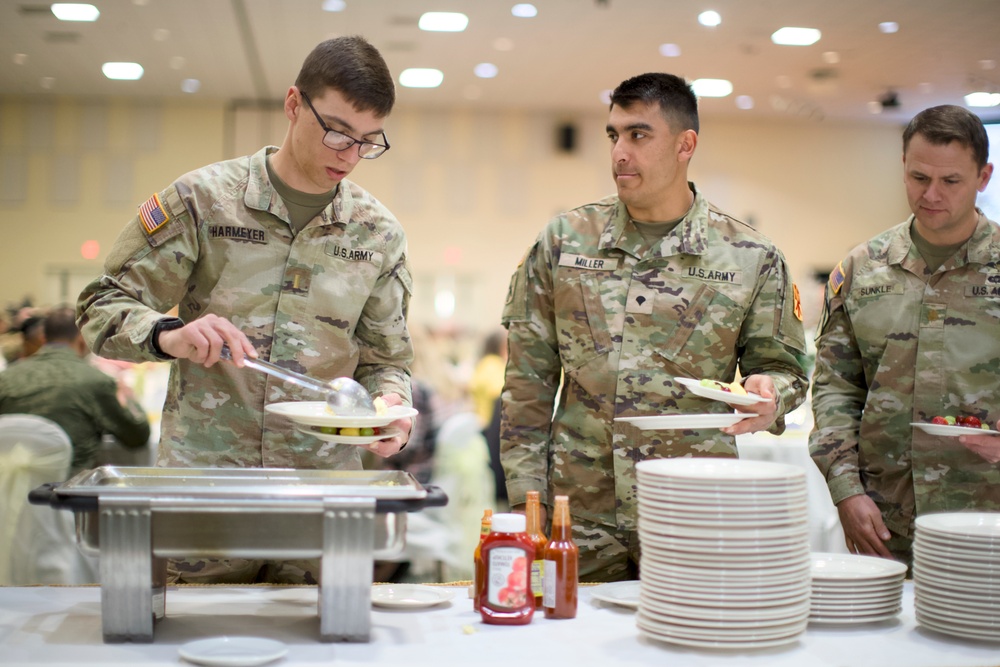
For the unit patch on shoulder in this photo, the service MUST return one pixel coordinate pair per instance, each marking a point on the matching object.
(153, 215)
(797, 302)
(837, 278)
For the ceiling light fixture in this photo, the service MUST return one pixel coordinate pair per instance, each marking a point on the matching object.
(712, 87)
(122, 71)
(709, 19)
(788, 36)
(888, 27)
(190, 86)
(74, 11)
(524, 10)
(831, 57)
(982, 99)
(334, 5)
(744, 102)
(670, 50)
(443, 22)
(421, 77)
(485, 70)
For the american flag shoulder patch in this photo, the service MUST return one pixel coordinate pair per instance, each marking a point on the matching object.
(153, 215)
(837, 278)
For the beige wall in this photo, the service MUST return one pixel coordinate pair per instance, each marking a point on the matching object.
(472, 189)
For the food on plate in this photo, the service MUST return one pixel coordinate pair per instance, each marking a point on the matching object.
(349, 431)
(731, 387)
(380, 406)
(964, 420)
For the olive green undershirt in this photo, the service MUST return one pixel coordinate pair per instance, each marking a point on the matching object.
(934, 255)
(302, 206)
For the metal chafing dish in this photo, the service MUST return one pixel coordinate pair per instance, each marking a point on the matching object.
(137, 518)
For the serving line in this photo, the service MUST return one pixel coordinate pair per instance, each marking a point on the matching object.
(47, 626)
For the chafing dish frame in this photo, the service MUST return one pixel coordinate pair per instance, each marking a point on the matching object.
(137, 520)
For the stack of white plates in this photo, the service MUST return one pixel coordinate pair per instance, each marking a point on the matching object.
(855, 589)
(956, 574)
(725, 552)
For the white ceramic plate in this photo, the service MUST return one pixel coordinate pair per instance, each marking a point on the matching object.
(410, 595)
(852, 567)
(233, 651)
(854, 620)
(695, 387)
(713, 469)
(962, 524)
(956, 630)
(349, 439)
(315, 413)
(675, 422)
(621, 593)
(951, 431)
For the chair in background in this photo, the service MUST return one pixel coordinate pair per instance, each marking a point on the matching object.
(37, 543)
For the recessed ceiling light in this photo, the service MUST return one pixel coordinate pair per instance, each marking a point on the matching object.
(122, 71)
(334, 5)
(888, 27)
(670, 50)
(190, 85)
(709, 19)
(485, 70)
(744, 102)
(796, 36)
(47, 82)
(161, 34)
(712, 87)
(73, 11)
(925, 87)
(20, 58)
(524, 10)
(874, 107)
(443, 22)
(177, 62)
(831, 57)
(421, 77)
(605, 96)
(503, 44)
(981, 99)
(988, 64)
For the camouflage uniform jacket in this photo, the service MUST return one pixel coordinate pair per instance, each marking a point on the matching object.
(329, 301)
(57, 384)
(899, 345)
(616, 322)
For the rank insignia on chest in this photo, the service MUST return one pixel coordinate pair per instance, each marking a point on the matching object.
(153, 215)
(837, 278)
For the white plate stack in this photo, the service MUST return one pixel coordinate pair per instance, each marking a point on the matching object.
(850, 589)
(725, 552)
(956, 574)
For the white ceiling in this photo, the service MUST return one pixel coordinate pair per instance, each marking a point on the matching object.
(561, 60)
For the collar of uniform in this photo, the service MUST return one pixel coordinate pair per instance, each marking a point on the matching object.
(984, 245)
(261, 195)
(899, 243)
(691, 230)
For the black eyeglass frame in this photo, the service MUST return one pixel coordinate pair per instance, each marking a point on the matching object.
(329, 130)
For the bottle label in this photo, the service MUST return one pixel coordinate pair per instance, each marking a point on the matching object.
(549, 584)
(507, 586)
(537, 575)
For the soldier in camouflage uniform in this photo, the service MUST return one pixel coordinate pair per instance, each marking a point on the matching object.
(58, 383)
(911, 331)
(275, 254)
(617, 298)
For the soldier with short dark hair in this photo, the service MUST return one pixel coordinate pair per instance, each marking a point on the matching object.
(618, 298)
(910, 332)
(275, 254)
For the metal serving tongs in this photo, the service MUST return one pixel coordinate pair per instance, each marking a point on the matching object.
(344, 396)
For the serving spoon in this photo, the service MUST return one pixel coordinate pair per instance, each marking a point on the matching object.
(344, 396)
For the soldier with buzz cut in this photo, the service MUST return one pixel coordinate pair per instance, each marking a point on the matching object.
(274, 254)
(618, 298)
(910, 332)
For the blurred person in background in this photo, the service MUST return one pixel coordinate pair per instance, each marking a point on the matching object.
(910, 332)
(276, 254)
(617, 298)
(58, 383)
(487, 376)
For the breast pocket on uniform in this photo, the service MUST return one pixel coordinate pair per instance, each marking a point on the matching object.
(694, 323)
(581, 319)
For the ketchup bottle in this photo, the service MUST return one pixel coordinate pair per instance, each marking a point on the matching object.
(477, 558)
(533, 526)
(506, 597)
(561, 565)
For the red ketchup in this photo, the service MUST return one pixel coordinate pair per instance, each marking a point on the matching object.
(506, 598)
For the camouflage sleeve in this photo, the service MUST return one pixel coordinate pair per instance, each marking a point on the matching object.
(772, 338)
(838, 399)
(385, 350)
(128, 423)
(532, 377)
(144, 276)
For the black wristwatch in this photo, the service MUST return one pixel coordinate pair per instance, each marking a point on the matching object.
(166, 324)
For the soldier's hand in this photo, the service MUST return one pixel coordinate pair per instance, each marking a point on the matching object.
(864, 530)
(390, 446)
(201, 341)
(987, 446)
(766, 412)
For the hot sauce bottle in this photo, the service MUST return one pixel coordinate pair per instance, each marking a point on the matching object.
(561, 565)
(507, 554)
(477, 558)
(533, 517)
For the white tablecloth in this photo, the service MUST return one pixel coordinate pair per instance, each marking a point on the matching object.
(62, 626)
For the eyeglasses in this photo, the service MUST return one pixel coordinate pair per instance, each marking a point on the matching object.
(338, 141)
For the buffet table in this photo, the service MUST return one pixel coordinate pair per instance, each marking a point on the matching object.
(62, 626)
